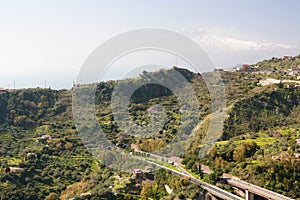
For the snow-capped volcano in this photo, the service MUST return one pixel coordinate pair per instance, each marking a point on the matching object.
(208, 40)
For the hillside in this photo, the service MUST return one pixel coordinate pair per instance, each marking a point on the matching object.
(42, 156)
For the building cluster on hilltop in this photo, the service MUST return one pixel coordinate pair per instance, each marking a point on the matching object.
(3, 90)
(287, 60)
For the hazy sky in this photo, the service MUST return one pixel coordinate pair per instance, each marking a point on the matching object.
(49, 40)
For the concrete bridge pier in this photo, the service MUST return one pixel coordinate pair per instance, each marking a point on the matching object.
(249, 195)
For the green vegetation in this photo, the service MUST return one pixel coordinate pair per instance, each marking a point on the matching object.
(42, 156)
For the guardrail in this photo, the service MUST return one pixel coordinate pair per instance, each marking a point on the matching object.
(256, 189)
(184, 174)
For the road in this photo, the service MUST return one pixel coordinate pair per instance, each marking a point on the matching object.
(218, 192)
(234, 182)
(255, 189)
(210, 188)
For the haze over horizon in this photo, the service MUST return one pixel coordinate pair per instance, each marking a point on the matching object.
(49, 40)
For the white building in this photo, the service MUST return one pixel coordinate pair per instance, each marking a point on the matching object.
(268, 81)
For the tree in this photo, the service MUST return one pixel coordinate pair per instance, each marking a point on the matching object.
(190, 164)
(220, 163)
(52, 196)
(146, 190)
(20, 120)
(181, 195)
(245, 150)
(239, 153)
(213, 152)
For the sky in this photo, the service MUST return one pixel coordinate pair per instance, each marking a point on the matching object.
(46, 42)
